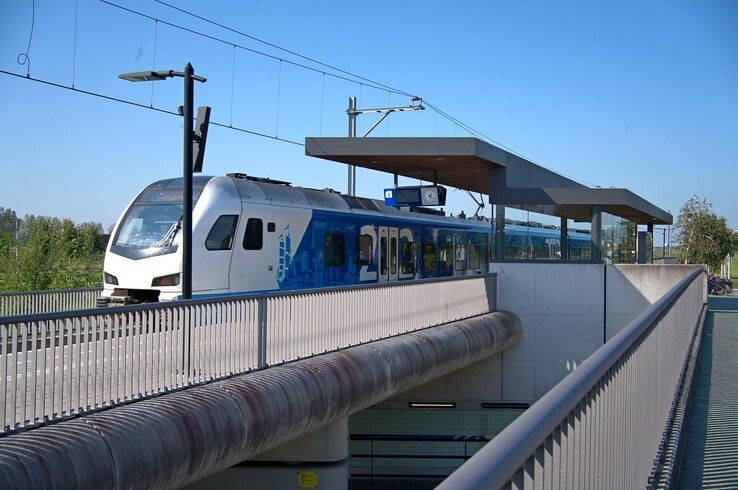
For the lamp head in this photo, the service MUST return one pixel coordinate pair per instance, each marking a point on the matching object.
(146, 76)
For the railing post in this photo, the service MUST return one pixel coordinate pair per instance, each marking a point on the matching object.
(262, 337)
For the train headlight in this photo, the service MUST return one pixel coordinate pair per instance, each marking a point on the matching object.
(170, 280)
(110, 278)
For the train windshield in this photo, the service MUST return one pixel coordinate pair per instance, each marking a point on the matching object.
(154, 220)
(150, 226)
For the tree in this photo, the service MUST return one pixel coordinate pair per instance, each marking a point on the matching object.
(704, 236)
(38, 253)
(8, 221)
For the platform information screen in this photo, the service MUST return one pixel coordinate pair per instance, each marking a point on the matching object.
(423, 195)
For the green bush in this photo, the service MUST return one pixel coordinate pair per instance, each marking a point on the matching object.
(39, 252)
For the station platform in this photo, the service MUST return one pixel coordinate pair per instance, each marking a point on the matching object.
(710, 458)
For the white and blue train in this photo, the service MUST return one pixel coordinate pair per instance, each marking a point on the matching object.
(258, 235)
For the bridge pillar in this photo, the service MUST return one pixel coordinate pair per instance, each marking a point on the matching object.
(318, 459)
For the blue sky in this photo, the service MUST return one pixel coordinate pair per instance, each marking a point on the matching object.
(642, 95)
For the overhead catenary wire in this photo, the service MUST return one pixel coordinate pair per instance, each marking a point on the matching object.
(74, 49)
(374, 84)
(322, 101)
(153, 60)
(279, 94)
(24, 58)
(359, 80)
(143, 106)
(233, 81)
(240, 46)
(344, 76)
(276, 46)
(483, 136)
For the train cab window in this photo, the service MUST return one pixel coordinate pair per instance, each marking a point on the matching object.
(429, 258)
(474, 256)
(409, 257)
(253, 239)
(221, 234)
(365, 251)
(445, 257)
(334, 250)
(460, 256)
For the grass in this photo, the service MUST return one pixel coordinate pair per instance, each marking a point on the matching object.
(734, 270)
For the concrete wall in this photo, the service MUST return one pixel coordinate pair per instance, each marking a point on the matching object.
(631, 288)
(567, 310)
(561, 309)
(319, 457)
(481, 381)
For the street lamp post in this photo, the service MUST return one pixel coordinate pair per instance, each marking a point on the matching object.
(188, 137)
(187, 112)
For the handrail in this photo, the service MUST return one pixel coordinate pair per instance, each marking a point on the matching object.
(495, 464)
(30, 302)
(213, 300)
(42, 291)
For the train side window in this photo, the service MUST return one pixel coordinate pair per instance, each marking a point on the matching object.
(383, 255)
(334, 250)
(473, 256)
(393, 255)
(365, 251)
(253, 239)
(446, 259)
(460, 256)
(221, 234)
(409, 257)
(429, 258)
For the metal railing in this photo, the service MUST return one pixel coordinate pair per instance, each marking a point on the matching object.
(602, 425)
(58, 365)
(31, 302)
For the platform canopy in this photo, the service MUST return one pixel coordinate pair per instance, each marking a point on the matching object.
(475, 165)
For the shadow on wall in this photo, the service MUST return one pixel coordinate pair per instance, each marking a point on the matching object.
(631, 288)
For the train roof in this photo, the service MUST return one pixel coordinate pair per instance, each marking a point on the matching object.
(266, 191)
(261, 190)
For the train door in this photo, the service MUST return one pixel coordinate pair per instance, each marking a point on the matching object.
(388, 270)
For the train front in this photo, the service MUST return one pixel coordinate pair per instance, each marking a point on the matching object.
(143, 262)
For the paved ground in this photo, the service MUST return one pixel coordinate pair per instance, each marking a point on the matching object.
(711, 454)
